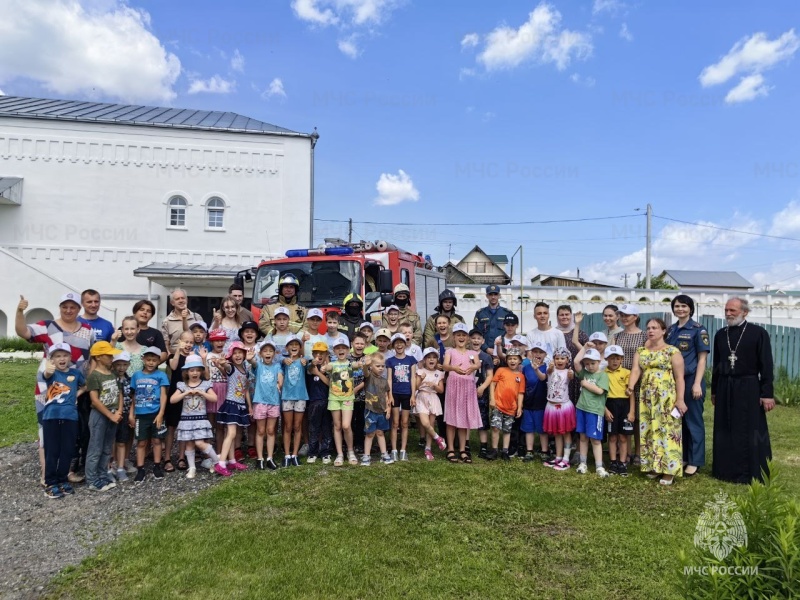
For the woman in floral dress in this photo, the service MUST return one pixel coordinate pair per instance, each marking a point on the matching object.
(660, 368)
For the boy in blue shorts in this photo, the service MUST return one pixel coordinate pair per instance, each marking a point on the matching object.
(535, 372)
(149, 390)
(378, 407)
(591, 408)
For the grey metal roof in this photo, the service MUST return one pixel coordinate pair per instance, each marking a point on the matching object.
(7, 182)
(189, 270)
(133, 114)
(709, 279)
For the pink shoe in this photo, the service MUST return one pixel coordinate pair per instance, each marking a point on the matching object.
(222, 471)
(441, 443)
(428, 454)
(561, 465)
(237, 466)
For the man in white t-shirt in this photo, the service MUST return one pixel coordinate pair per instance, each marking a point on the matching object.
(550, 337)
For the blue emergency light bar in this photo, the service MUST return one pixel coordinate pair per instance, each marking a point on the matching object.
(338, 251)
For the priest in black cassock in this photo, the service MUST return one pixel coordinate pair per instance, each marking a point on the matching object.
(741, 392)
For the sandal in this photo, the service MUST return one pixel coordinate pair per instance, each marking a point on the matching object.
(451, 456)
(653, 475)
(182, 464)
(666, 481)
(692, 474)
(168, 468)
(465, 457)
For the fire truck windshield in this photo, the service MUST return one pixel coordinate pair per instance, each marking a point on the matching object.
(322, 283)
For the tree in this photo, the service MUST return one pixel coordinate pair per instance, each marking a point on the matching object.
(659, 282)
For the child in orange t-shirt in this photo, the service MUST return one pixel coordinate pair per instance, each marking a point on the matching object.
(505, 400)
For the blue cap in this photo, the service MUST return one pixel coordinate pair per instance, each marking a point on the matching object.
(492, 289)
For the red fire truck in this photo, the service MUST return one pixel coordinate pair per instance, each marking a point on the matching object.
(329, 273)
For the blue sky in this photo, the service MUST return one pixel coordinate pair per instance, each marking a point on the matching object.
(472, 113)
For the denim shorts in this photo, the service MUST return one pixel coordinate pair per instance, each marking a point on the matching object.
(375, 422)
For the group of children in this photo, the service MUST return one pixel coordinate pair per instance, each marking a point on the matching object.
(334, 395)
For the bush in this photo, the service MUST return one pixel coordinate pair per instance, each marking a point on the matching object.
(772, 520)
(787, 391)
(468, 295)
(17, 344)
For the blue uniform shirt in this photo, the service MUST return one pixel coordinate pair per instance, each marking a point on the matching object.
(490, 323)
(690, 339)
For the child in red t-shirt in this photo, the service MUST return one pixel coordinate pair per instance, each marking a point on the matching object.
(505, 400)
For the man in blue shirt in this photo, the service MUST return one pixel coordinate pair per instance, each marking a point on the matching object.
(489, 319)
(691, 339)
(103, 329)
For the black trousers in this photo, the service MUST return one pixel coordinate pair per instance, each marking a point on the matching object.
(58, 436)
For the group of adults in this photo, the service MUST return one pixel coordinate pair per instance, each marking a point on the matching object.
(667, 365)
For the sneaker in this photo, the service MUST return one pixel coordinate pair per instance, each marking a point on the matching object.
(582, 469)
(442, 444)
(403, 455)
(504, 455)
(53, 492)
(295, 462)
(622, 470)
(158, 471)
(428, 454)
(111, 474)
(207, 464)
(395, 456)
(122, 475)
(351, 458)
(303, 450)
(311, 460)
(491, 454)
(97, 486)
(221, 470)
(109, 485)
(482, 453)
(387, 459)
(366, 461)
(561, 465)
(326, 460)
(130, 468)
(287, 462)
(339, 461)
(66, 488)
(191, 473)
(421, 443)
(260, 464)
(551, 464)
(546, 456)
(140, 475)
(601, 472)
(251, 452)
(238, 454)
(236, 466)
(271, 465)
(529, 457)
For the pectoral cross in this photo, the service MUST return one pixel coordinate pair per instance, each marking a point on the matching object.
(732, 359)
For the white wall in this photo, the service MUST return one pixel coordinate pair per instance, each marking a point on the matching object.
(94, 204)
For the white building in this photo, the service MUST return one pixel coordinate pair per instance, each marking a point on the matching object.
(134, 200)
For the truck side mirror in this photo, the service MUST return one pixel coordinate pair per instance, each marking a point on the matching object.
(239, 280)
(387, 300)
(385, 283)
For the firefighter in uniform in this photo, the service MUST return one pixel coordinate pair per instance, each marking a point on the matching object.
(287, 297)
(489, 319)
(447, 306)
(352, 315)
(402, 296)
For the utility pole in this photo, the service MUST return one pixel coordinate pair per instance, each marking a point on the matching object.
(625, 279)
(349, 231)
(648, 251)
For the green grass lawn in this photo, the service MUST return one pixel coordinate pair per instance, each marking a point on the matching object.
(417, 529)
(17, 412)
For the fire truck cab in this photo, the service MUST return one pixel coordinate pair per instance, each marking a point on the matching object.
(328, 274)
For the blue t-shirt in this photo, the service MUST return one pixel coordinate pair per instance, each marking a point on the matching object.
(294, 381)
(62, 394)
(535, 389)
(103, 329)
(401, 373)
(147, 391)
(317, 389)
(266, 391)
(206, 345)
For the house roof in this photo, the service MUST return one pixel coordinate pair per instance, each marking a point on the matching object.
(450, 264)
(542, 278)
(498, 258)
(189, 270)
(135, 114)
(708, 279)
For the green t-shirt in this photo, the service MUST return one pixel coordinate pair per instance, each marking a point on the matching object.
(106, 388)
(342, 384)
(589, 402)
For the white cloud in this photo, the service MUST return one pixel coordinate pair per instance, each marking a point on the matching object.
(237, 61)
(213, 85)
(349, 47)
(787, 221)
(749, 58)
(625, 33)
(275, 89)
(609, 6)
(394, 189)
(2, 93)
(104, 49)
(748, 88)
(577, 79)
(540, 39)
(466, 73)
(307, 10)
(470, 41)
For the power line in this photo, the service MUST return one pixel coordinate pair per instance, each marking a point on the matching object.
(481, 224)
(766, 235)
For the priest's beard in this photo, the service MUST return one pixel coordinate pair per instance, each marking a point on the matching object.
(735, 321)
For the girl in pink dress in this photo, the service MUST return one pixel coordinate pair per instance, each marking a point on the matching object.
(461, 410)
(430, 383)
(559, 414)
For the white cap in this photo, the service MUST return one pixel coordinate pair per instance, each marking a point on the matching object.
(199, 324)
(398, 336)
(628, 309)
(314, 312)
(614, 351)
(367, 324)
(598, 336)
(341, 341)
(282, 310)
(522, 340)
(193, 361)
(428, 351)
(293, 338)
(70, 297)
(393, 307)
(268, 342)
(122, 356)
(538, 346)
(460, 327)
(591, 354)
(63, 346)
(152, 350)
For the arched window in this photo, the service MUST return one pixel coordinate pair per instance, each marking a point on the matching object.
(572, 298)
(215, 213)
(619, 299)
(176, 212)
(596, 299)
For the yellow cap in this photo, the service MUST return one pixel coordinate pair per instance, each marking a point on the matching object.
(101, 348)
